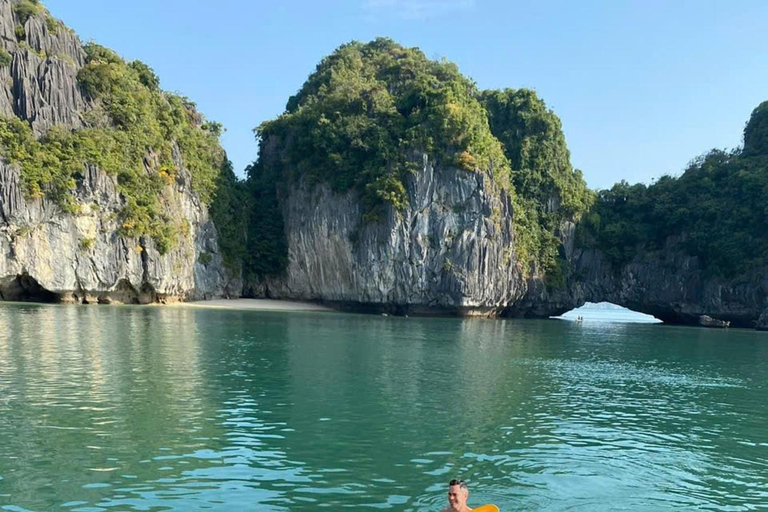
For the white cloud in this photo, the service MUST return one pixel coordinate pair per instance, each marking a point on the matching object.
(417, 9)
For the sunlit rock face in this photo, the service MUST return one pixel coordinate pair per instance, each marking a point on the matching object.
(449, 254)
(40, 85)
(449, 251)
(83, 258)
(452, 252)
(55, 256)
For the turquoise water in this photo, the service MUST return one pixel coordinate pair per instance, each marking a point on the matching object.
(131, 408)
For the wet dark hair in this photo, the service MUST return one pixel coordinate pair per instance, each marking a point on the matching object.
(461, 483)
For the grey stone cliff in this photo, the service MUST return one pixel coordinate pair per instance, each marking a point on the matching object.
(449, 252)
(669, 285)
(51, 255)
(762, 322)
(452, 252)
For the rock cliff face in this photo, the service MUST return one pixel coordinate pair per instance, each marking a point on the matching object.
(449, 252)
(52, 255)
(40, 84)
(450, 243)
(669, 285)
(446, 255)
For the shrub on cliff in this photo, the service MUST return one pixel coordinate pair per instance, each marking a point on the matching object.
(5, 57)
(25, 9)
(363, 116)
(716, 210)
(132, 121)
(548, 187)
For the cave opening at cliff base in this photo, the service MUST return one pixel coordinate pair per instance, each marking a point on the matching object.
(24, 288)
(606, 312)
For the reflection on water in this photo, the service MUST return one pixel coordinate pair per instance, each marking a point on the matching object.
(130, 408)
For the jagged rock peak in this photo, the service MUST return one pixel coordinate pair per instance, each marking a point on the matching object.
(43, 57)
(118, 212)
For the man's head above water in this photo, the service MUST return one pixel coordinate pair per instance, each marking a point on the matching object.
(458, 492)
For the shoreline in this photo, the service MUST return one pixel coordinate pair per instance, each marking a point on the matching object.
(253, 305)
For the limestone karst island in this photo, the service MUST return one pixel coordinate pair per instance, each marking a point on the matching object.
(390, 184)
(396, 291)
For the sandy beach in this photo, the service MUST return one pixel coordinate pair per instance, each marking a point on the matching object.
(258, 304)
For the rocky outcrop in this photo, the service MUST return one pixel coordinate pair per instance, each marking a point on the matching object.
(673, 287)
(762, 322)
(667, 284)
(40, 85)
(83, 257)
(449, 252)
(708, 321)
(452, 252)
(53, 256)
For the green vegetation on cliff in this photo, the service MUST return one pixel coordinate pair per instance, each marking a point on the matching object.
(535, 144)
(26, 9)
(363, 119)
(229, 208)
(151, 120)
(132, 133)
(266, 247)
(716, 209)
(548, 188)
(364, 116)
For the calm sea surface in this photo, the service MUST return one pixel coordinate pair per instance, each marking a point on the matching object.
(154, 408)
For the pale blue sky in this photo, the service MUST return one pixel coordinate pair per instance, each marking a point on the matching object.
(642, 87)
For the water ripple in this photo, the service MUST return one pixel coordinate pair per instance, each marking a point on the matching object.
(173, 409)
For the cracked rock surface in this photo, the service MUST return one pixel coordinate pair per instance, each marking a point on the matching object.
(83, 258)
(452, 251)
(668, 284)
(52, 255)
(448, 252)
